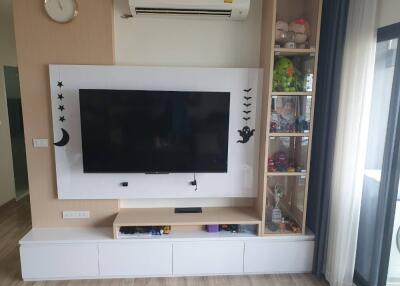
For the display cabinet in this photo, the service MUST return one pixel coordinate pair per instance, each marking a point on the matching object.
(289, 57)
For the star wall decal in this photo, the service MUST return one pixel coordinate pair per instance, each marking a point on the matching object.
(61, 107)
(60, 84)
(60, 96)
(62, 118)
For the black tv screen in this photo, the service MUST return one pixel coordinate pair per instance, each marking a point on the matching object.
(143, 131)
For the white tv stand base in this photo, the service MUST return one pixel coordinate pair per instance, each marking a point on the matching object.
(91, 253)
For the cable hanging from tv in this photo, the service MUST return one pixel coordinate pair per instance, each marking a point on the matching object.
(194, 182)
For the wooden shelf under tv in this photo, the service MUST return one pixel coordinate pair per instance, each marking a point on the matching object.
(167, 216)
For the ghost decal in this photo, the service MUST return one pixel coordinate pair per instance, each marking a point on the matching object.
(246, 134)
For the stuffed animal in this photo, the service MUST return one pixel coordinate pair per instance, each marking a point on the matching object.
(301, 28)
(281, 29)
(286, 76)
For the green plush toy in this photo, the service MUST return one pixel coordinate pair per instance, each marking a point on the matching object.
(286, 76)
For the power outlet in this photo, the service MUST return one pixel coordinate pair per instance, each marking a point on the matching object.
(76, 214)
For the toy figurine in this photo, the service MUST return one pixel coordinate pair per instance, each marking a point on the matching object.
(212, 228)
(282, 225)
(283, 36)
(286, 117)
(271, 165)
(302, 124)
(156, 230)
(274, 126)
(301, 30)
(281, 162)
(293, 226)
(281, 29)
(229, 227)
(276, 215)
(286, 77)
(272, 226)
(167, 229)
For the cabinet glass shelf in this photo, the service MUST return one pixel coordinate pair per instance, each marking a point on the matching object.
(290, 114)
(293, 73)
(288, 154)
(285, 202)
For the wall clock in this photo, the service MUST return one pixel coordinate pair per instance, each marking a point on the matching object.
(61, 11)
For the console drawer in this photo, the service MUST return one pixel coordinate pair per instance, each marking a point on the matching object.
(208, 258)
(278, 257)
(52, 261)
(135, 259)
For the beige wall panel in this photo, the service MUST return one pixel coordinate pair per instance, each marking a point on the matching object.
(86, 40)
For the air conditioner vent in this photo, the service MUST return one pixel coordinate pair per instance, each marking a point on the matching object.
(207, 9)
(168, 11)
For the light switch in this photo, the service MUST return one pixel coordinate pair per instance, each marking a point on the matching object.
(40, 143)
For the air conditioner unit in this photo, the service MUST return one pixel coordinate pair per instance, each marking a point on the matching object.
(225, 9)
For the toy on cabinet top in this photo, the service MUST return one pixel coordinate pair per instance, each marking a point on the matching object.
(293, 35)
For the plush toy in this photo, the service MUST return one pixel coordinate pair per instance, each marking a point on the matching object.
(286, 76)
(301, 28)
(281, 29)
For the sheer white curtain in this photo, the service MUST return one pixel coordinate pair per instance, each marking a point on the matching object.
(351, 141)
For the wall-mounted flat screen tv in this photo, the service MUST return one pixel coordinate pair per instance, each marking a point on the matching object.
(145, 131)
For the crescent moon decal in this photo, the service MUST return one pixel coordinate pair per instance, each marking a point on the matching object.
(64, 140)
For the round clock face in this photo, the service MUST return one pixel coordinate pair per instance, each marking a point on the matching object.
(61, 11)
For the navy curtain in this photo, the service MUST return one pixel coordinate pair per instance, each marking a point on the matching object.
(333, 32)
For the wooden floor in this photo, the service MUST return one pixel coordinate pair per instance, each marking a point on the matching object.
(15, 221)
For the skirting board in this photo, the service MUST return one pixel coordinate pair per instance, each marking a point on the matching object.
(242, 176)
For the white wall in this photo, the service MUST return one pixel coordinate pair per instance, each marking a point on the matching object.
(163, 41)
(7, 57)
(388, 12)
(187, 42)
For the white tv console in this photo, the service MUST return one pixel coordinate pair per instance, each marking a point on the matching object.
(92, 253)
